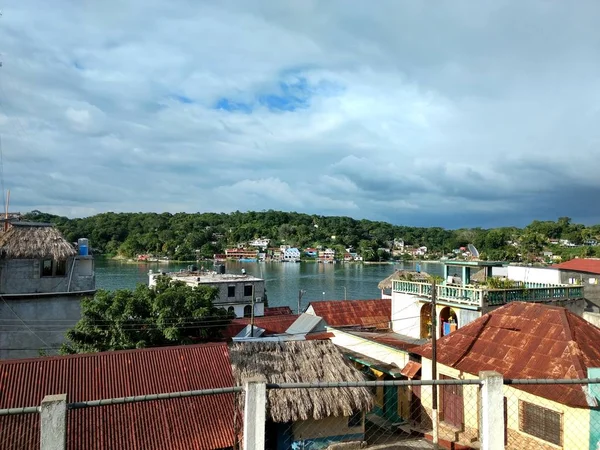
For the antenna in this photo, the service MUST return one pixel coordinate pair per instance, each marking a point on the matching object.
(473, 250)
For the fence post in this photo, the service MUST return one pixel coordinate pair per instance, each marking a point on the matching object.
(492, 411)
(53, 422)
(255, 407)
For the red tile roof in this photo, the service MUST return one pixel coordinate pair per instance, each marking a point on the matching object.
(525, 340)
(271, 324)
(374, 313)
(588, 265)
(278, 311)
(204, 422)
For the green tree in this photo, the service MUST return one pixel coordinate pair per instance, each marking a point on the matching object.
(171, 313)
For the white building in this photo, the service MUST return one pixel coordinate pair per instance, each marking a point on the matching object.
(291, 254)
(236, 292)
(260, 242)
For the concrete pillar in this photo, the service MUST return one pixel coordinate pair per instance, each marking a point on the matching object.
(255, 409)
(53, 422)
(492, 411)
(463, 275)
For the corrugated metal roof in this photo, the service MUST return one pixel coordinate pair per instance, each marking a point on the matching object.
(247, 331)
(188, 423)
(374, 313)
(395, 340)
(278, 311)
(271, 324)
(587, 265)
(305, 324)
(525, 340)
(411, 369)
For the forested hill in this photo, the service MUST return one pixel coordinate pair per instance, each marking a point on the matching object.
(180, 235)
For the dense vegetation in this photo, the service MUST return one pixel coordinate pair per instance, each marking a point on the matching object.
(173, 313)
(185, 236)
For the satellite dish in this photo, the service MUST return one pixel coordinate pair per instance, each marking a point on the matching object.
(473, 250)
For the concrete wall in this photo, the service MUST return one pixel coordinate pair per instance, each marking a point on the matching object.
(328, 430)
(23, 276)
(590, 283)
(593, 318)
(259, 291)
(406, 310)
(534, 274)
(238, 309)
(369, 348)
(47, 319)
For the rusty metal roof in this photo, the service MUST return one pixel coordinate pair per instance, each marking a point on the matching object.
(271, 324)
(188, 423)
(278, 311)
(395, 340)
(375, 313)
(411, 369)
(587, 265)
(525, 340)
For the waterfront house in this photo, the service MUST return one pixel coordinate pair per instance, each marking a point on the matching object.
(261, 243)
(460, 300)
(291, 254)
(312, 252)
(519, 340)
(193, 423)
(326, 256)
(242, 254)
(237, 293)
(43, 279)
(305, 418)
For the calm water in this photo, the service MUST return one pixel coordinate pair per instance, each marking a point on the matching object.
(283, 280)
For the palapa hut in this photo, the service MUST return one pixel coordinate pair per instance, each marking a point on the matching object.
(387, 284)
(26, 240)
(314, 417)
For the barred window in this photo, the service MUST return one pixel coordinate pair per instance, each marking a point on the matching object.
(540, 422)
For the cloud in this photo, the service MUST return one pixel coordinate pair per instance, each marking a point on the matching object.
(453, 115)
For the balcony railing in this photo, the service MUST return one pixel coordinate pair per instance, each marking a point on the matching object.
(483, 296)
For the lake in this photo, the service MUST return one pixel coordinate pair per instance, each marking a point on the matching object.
(283, 280)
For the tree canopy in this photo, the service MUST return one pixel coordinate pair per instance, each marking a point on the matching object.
(171, 313)
(186, 236)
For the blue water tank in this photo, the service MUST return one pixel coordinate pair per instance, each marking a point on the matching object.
(83, 246)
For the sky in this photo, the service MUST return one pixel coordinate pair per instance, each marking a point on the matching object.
(451, 113)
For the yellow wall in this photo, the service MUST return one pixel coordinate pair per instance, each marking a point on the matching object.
(329, 426)
(576, 421)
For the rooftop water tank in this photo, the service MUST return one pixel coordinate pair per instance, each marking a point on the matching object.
(83, 245)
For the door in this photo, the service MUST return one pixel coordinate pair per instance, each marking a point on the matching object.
(452, 404)
(390, 403)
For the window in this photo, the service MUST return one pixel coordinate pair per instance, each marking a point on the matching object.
(540, 422)
(247, 311)
(47, 268)
(60, 268)
(230, 310)
(248, 290)
(231, 291)
(355, 420)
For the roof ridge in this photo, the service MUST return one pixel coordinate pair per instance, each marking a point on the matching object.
(577, 358)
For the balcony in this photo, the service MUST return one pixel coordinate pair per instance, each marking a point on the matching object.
(476, 297)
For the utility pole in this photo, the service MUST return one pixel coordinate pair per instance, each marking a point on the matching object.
(434, 400)
(301, 292)
(252, 315)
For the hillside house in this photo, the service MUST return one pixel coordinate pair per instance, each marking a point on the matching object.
(43, 279)
(291, 254)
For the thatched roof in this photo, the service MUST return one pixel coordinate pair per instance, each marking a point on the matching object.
(479, 277)
(34, 241)
(301, 362)
(400, 274)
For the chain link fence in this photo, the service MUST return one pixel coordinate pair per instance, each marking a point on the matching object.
(396, 414)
